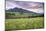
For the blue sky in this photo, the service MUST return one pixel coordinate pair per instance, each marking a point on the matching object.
(28, 5)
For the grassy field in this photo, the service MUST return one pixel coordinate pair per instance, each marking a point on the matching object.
(24, 23)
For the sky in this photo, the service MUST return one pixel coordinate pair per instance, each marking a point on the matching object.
(28, 5)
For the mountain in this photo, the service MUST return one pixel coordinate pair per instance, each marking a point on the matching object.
(16, 9)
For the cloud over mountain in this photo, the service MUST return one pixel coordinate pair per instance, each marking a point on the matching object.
(31, 6)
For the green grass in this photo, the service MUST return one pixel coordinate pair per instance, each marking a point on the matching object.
(24, 23)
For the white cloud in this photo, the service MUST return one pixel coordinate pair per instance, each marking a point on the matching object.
(31, 6)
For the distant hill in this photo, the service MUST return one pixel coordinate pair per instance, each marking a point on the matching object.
(20, 10)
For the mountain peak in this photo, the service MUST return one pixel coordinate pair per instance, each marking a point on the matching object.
(16, 9)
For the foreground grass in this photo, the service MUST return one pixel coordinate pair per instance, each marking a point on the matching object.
(24, 23)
